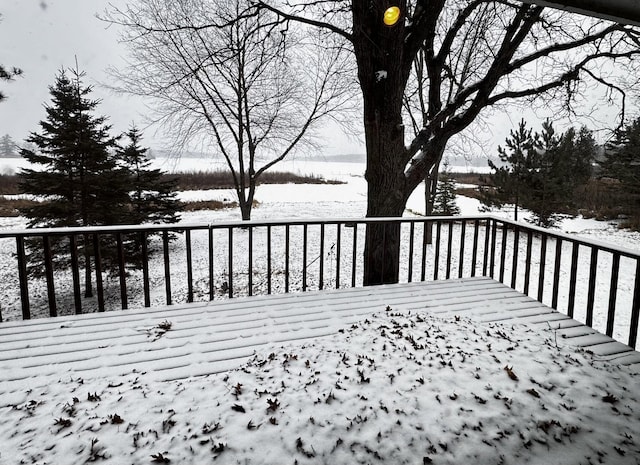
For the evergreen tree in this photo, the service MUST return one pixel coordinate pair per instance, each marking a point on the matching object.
(445, 199)
(541, 170)
(622, 160)
(78, 177)
(7, 147)
(152, 199)
(510, 179)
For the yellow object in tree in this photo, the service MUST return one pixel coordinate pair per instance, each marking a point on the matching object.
(391, 15)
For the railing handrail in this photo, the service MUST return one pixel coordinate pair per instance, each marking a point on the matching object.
(62, 231)
(569, 237)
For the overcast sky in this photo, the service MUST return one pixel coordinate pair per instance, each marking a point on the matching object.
(43, 36)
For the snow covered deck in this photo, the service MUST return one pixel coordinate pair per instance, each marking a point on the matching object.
(197, 339)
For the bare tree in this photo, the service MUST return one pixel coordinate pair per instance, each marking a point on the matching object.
(234, 77)
(473, 55)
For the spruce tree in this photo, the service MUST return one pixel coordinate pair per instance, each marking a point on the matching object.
(152, 198)
(7, 147)
(76, 176)
(445, 199)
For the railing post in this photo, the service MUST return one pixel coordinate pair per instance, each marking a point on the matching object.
(516, 250)
(167, 267)
(99, 284)
(122, 272)
(189, 266)
(354, 254)
(269, 260)
(556, 273)
(23, 278)
(543, 264)
(593, 265)
(145, 269)
(635, 309)
(321, 264)
(474, 254)
(250, 270)
(503, 251)
(338, 252)
(436, 258)
(527, 269)
(463, 232)
(75, 273)
(613, 290)
(48, 266)
(212, 287)
(573, 278)
(494, 233)
(410, 268)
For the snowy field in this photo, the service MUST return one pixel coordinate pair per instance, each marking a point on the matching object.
(403, 389)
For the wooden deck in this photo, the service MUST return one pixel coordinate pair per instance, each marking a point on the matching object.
(212, 337)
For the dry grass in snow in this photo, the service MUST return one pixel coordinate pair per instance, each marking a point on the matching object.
(395, 389)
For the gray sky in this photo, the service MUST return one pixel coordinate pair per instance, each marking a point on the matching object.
(43, 36)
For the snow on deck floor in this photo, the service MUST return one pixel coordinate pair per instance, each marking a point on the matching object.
(173, 343)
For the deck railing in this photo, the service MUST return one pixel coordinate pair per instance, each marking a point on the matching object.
(596, 283)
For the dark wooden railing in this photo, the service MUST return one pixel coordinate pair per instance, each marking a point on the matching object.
(203, 262)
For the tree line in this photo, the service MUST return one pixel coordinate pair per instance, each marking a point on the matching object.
(549, 173)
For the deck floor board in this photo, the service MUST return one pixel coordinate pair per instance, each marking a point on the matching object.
(209, 337)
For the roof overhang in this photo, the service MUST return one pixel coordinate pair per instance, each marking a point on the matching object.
(620, 11)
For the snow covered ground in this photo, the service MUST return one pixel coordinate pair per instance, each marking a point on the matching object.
(395, 388)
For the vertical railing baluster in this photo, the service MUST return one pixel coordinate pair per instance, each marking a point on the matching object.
(354, 255)
(635, 308)
(573, 278)
(250, 281)
(321, 264)
(212, 287)
(23, 278)
(503, 251)
(463, 233)
(449, 247)
(613, 291)
(304, 256)
(305, 232)
(189, 266)
(122, 272)
(514, 261)
(542, 267)
(494, 234)
(436, 258)
(423, 265)
(167, 267)
(287, 234)
(485, 254)
(48, 267)
(593, 265)
(556, 273)
(97, 252)
(384, 252)
(75, 274)
(145, 269)
(269, 260)
(410, 270)
(230, 261)
(474, 253)
(338, 252)
(527, 268)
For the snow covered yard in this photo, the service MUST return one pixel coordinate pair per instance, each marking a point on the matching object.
(401, 387)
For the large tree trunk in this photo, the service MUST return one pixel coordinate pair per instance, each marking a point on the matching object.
(382, 79)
